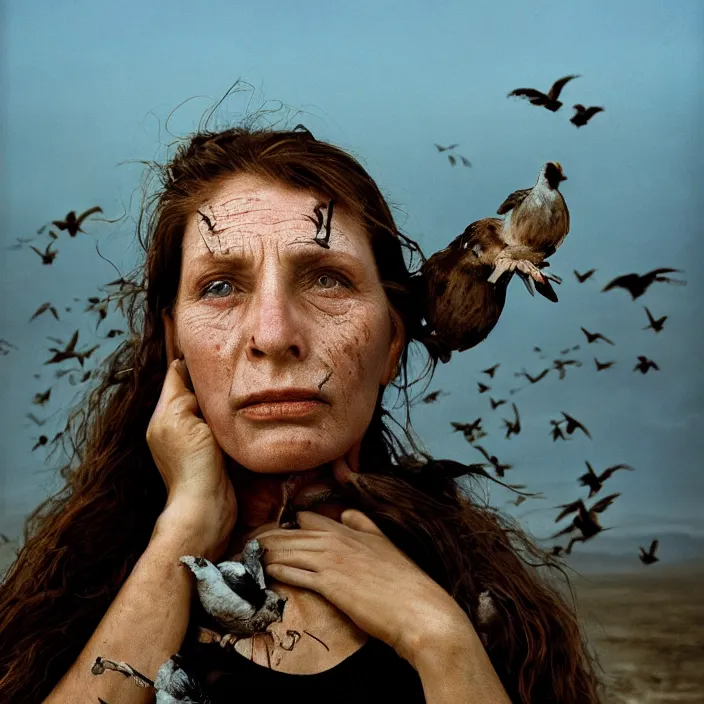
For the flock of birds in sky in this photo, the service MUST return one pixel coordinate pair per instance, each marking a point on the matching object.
(463, 289)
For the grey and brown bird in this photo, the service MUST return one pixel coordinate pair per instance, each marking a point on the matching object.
(638, 284)
(582, 115)
(655, 325)
(594, 336)
(536, 223)
(644, 364)
(648, 558)
(73, 223)
(595, 481)
(235, 594)
(547, 100)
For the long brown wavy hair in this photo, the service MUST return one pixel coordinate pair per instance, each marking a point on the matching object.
(82, 543)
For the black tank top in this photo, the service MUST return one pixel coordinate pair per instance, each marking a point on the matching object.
(374, 674)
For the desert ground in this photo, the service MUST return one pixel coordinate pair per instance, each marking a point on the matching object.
(646, 626)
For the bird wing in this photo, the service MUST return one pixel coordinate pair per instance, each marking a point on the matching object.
(557, 86)
(625, 281)
(569, 529)
(484, 452)
(602, 505)
(465, 161)
(655, 272)
(610, 470)
(649, 314)
(513, 200)
(590, 112)
(527, 93)
(569, 508)
(654, 546)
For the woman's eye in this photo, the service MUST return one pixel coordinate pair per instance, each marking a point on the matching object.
(209, 288)
(327, 280)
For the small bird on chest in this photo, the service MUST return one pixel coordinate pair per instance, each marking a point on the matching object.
(536, 223)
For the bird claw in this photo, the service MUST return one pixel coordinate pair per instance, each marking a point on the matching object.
(521, 266)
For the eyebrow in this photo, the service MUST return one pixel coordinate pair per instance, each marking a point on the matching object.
(302, 255)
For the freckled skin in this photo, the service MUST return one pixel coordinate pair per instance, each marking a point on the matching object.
(279, 324)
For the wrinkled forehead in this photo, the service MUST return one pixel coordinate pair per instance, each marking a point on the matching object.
(247, 214)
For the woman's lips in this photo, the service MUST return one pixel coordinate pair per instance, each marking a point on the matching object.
(274, 410)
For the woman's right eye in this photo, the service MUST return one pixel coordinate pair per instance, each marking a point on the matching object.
(209, 288)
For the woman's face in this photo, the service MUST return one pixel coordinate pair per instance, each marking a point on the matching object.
(271, 309)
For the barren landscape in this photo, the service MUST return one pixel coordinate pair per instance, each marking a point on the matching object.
(647, 627)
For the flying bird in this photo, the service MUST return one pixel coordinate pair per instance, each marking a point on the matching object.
(493, 460)
(573, 424)
(457, 301)
(496, 404)
(491, 370)
(465, 161)
(594, 481)
(656, 325)
(638, 284)
(471, 431)
(532, 379)
(547, 100)
(560, 365)
(536, 224)
(594, 336)
(583, 115)
(644, 364)
(648, 558)
(483, 388)
(433, 396)
(556, 431)
(583, 277)
(586, 521)
(48, 255)
(451, 159)
(600, 366)
(73, 223)
(442, 149)
(42, 309)
(512, 427)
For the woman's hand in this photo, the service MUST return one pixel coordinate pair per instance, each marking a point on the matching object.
(183, 446)
(361, 572)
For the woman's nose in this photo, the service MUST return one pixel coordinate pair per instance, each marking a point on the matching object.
(275, 329)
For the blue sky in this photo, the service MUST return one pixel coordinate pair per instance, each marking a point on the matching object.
(88, 86)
